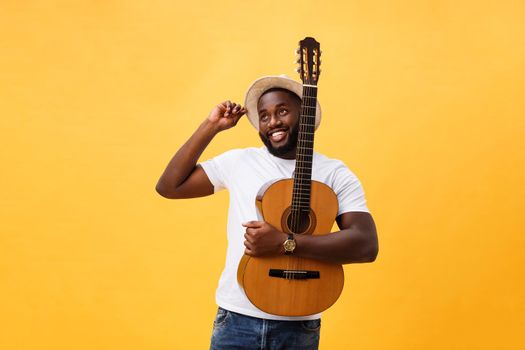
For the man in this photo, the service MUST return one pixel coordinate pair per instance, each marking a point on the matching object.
(273, 106)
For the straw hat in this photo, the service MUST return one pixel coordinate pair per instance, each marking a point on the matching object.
(269, 82)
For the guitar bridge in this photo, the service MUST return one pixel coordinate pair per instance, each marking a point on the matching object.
(294, 274)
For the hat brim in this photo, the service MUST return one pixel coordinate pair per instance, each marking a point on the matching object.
(261, 85)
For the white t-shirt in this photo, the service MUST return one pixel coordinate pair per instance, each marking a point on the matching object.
(243, 172)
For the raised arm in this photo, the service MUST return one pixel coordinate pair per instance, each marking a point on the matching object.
(183, 178)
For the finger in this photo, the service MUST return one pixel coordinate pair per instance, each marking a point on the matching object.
(248, 238)
(236, 118)
(248, 248)
(251, 232)
(253, 223)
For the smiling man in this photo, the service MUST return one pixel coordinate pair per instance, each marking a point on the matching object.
(279, 135)
(273, 106)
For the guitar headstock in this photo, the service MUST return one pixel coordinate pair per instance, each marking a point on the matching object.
(309, 60)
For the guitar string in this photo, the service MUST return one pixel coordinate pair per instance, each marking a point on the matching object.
(295, 183)
(307, 137)
(297, 189)
(296, 214)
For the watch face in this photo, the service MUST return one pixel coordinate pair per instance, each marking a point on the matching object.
(289, 245)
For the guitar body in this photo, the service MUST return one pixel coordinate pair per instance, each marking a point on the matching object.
(287, 292)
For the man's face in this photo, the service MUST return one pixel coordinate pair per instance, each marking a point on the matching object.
(278, 122)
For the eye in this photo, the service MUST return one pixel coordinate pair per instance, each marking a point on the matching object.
(263, 118)
(283, 111)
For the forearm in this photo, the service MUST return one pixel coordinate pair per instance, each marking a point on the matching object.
(355, 243)
(185, 160)
(346, 246)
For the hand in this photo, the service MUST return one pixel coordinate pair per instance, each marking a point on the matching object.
(226, 115)
(261, 238)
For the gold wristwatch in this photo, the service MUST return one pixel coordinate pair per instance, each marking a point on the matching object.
(289, 245)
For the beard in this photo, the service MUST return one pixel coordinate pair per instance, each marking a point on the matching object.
(284, 149)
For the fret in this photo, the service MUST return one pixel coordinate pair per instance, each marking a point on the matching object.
(300, 209)
(302, 205)
(303, 181)
(300, 167)
(302, 184)
(301, 188)
(302, 192)
(302, 175)
(301, 196)
(299, 203)
(299, 192)
(301, 200)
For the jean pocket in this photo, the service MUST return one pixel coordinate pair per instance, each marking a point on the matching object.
(311, 325)
(220, 319)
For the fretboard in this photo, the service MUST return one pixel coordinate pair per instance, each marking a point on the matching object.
(304, 155)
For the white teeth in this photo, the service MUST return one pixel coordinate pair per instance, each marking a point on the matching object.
(277, 136)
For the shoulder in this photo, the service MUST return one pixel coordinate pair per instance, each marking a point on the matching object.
(334, 170)
(327, 163)
(236, 155)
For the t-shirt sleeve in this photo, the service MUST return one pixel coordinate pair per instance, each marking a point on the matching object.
(349, 191)
(218, 168)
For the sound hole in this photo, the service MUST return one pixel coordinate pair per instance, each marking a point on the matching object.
(298, 222)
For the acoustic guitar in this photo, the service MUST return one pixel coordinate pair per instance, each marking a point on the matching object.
(287, 285)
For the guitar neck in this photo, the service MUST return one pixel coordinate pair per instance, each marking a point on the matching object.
(305, 149)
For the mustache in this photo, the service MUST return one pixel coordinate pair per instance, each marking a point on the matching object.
(283, 150)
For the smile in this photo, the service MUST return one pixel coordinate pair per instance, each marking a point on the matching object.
(277, 135)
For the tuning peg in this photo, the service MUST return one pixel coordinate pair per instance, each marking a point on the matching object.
(297, 51)
(298, 69)
(297, 60)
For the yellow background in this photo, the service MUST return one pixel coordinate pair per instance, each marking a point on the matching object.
(424, 100)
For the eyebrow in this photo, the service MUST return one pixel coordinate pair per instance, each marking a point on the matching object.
(277, 106)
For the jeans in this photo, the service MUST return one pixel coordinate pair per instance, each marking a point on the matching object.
(235, 331)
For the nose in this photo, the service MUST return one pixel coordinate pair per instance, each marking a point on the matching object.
(275, 121)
